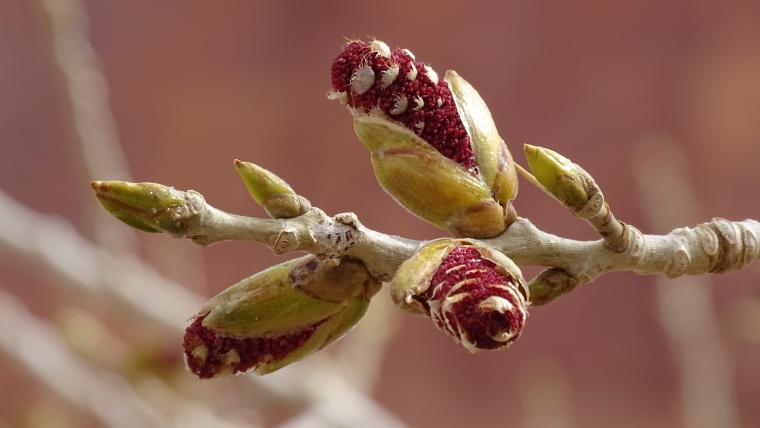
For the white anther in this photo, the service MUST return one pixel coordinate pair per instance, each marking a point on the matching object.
(231, 358)
(431, 74)
(341, 96)
(439, 102)
(381, 48)
(409, 54)
(454, 269)
(400, 105)
(362, 79)
(419, 126)
(467, 343)
(497, 304)
(454, 288)
(412, 74)
(448, 302)
(504, 336)
(419, 103)
(389, 76)
(200, 352)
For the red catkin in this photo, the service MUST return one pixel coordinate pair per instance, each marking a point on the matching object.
(477, 279)
(251, 351)
(436, 121)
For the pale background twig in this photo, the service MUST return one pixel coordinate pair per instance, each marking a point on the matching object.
(685, 306)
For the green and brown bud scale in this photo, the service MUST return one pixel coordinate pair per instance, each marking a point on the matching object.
(278, 316)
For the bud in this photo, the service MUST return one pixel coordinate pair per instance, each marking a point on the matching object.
(278, 316)
(150, 207)
(271, 192)
(434, 145)
(549, 285)
(559, 176)
(473, 293)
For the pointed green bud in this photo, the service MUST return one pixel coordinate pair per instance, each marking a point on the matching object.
(427, 183)
(278, 316)
(271, 192)
(150, 207)
(494, 160)
(558, 175)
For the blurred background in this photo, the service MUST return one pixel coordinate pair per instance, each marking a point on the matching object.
(658, 100)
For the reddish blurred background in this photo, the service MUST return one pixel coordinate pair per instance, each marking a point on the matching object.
(194, 85)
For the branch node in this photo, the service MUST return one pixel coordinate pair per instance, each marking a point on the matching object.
(348, 219)
(708, 240)
(737, 245)
(550, 284)
(592, 207)
(679, 262)
(750, 245)
(286, 240)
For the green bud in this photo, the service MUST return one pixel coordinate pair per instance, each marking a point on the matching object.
(278, 316)
(558, 175)
(150, 207)
(549, 285)
(427, 183)
(271, 192)
(494, 160)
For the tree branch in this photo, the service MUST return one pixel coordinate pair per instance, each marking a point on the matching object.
(717, 246)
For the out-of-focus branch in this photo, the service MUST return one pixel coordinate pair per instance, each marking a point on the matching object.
(686, 308)
(97, 344)
(87, 91)
(346, 407)
(105, 395)
(94, 127)
(545, 393)
(55, 247)
(743, 319)
(38, 349)
(362, 353)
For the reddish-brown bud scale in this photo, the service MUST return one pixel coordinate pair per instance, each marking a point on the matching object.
(415, 97)
(209, 354)
(473, 302)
